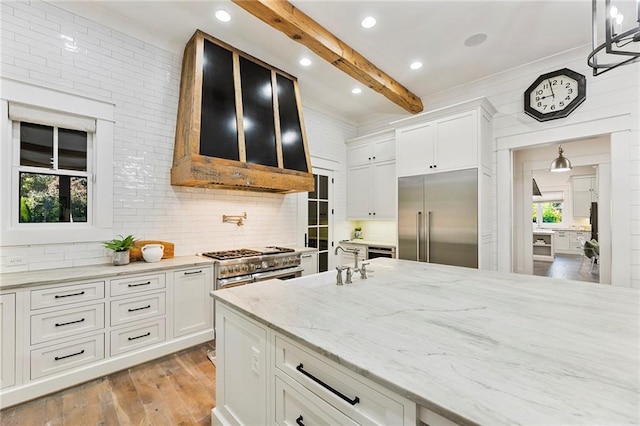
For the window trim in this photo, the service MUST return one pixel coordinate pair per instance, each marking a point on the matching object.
(62, 103)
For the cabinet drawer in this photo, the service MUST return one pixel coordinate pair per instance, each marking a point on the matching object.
(137, 308)
(64, 295)
(54, 325)
(136, 284)
(54, 359)
(366, 405)
(303, 407)
(139, 336)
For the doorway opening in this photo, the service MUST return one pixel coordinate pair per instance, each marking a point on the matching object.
(559, 232)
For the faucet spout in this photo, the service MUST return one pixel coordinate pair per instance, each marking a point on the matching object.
(354, 252)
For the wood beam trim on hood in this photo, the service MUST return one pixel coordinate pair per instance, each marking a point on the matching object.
(291, 21)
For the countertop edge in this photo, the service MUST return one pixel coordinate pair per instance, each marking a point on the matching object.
(17, 280)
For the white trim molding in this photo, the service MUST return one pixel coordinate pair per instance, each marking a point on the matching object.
(57, 102)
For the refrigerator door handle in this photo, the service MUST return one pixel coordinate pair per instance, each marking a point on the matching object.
(428, 238)
(418, 220)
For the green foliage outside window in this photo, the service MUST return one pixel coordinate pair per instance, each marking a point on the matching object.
(551, 212)
(42, 202)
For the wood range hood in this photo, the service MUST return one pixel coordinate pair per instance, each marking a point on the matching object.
(239, 123)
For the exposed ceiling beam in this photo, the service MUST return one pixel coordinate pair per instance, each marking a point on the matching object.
(285, 17)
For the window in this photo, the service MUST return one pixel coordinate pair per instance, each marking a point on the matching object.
(548, 212)
(547, 209)
(56, 166)
(53, 179)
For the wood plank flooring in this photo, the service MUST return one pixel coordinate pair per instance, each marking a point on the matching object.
(178, 389)
(567, 266)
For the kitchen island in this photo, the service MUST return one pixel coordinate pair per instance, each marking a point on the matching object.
(445, 344)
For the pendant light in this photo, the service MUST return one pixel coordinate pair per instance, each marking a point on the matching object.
(560, 164)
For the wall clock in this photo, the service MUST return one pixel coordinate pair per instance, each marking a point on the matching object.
(555, 94)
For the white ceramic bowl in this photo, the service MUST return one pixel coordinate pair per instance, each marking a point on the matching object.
(152, 252)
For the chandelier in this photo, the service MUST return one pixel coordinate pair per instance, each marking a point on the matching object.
(622, 40)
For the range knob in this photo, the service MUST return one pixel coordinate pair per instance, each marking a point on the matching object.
(265, 264)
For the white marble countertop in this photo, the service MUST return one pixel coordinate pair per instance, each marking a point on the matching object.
(90, 272)
(369, 242)
(478, 347)
(543, 232)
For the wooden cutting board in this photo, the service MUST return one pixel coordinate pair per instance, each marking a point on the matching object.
(135, 253)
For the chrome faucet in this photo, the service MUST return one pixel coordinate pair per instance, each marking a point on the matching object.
(355, 256)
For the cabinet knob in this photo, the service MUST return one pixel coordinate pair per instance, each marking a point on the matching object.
(431, 167)
(369, 213)
(435, 165)
(374, 157)
(369, 158)
(374, 213)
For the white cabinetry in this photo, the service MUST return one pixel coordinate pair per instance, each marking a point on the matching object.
(456, 137)
(543, 246)
(447, 143)
(58, 335)
(309, 263)
(371, 177)
(192, 305)
(562, 241)
(569, 241)
(585, 191)
(7, 340)
(252, 360)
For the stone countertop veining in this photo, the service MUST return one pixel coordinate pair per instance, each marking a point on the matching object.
(478, 347)
(543, 232)
(92, 272)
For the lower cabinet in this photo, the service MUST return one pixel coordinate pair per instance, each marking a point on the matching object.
(193, 307)
(309, 263)
(7, 340)
(76, 331)
(569, 241)
(253, 359)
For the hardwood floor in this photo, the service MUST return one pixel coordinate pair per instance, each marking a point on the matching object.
(567, 266)
(178, 389)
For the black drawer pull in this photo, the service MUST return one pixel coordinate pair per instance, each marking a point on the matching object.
(353, 401)
(193, 273)
(58, 358)
(299, 421)
(138, 285)
(70, 322)
(60, 296)
(139, 337)
(139, 309)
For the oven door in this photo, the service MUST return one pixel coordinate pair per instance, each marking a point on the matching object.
(280, 274)
(233, 281)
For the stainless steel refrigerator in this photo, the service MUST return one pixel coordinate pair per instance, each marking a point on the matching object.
(438, 218)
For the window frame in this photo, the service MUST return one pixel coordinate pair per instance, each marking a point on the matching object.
(17, 168)
(539, 217)
(99, 225)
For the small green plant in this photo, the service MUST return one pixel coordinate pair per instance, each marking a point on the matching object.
(357, 229)
(122, 244)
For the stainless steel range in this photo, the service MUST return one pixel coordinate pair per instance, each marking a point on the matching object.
(246, 266)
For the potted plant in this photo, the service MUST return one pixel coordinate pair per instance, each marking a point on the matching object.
(120, 249)
(357, 232)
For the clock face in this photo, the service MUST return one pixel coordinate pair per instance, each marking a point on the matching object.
(555, 94)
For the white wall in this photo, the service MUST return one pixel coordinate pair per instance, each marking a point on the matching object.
(142, 81)
(612, 106)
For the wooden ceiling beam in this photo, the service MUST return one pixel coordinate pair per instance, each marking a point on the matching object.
(285, 17)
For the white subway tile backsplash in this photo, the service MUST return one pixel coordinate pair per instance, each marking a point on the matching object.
(143, 82)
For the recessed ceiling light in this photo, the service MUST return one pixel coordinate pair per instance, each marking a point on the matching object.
(475, 40)
(223, 15)
(356, 90)
(416, 65)
(305, 62)
(368, 22)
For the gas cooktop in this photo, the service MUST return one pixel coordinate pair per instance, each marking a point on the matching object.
(240, 253)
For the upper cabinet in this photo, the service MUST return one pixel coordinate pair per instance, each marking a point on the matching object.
(585, 192)
(456, 137)
(239, 123)
(371, 176)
